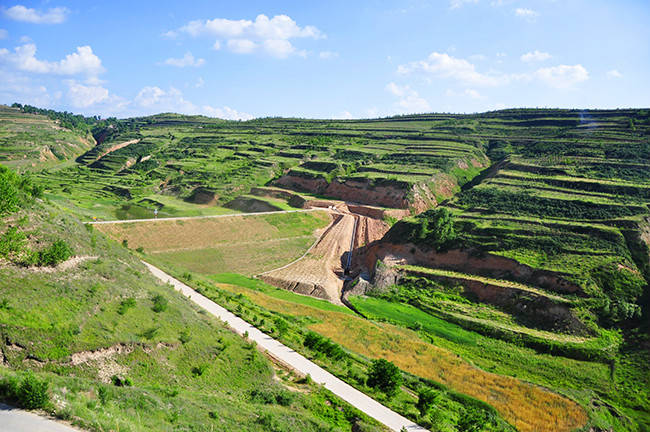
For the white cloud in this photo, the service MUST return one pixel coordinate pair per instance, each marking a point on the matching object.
(187, 60)
(443, 65)
(245, 36)
(535, 56)
(199, 83)
(327, 55)
(153, 99)
(3, 34)
(84, 61)
(614, 74)
(472, 94)
(477, 57)
(21, 13)
(216, 46)
(281, 48)
(409, 100)
(455, 4)
(241, 46)
(82, 96)
(343, 115)
(20, 88)
(527, 14)
(562, 76)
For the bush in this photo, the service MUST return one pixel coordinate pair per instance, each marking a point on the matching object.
(274, 395)
(58, 252)
(121, 382)
(159, 303)
(9, 191)
(125, 305)
(321, 344)
(32, 393)
(385, 376)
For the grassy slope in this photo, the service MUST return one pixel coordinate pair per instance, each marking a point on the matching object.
(50, 315)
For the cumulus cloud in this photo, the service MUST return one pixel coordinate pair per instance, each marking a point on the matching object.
(272, 35)
(19, 88)
(83, 61)
(82, 96)
(527, 14)
(535, 56)
(562, 76)
(327, 55)
(281, 48)
(409, 100)
(614, 74)
(443, 65)
(185, 61)
(153, 99)
(241, 46)
(52, 16)
(455, 4)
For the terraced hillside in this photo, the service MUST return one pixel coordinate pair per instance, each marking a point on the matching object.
(521, 301)
(551, 248)
(31, 141)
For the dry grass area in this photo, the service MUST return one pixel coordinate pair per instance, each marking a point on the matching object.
(528, 407)
(246, 244)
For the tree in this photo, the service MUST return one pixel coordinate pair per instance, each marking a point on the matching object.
(385, 376)
(436, 228)
(426, 399)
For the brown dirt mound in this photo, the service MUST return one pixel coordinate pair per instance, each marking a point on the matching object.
(319, 273)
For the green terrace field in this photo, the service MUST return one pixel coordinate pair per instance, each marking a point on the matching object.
(211, 162)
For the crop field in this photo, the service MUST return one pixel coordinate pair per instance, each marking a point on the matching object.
(247, 244)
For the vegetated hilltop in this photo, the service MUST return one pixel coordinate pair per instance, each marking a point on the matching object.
(33, 141)
(88, 334)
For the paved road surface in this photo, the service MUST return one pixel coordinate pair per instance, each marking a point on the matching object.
(288, 356)
(121, 221)
(15, 420)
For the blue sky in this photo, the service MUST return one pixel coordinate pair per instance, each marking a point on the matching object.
(333, 59)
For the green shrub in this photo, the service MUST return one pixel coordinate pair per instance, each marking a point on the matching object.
(385, 376)
(56, 253)
(159, 303)
(273, 395)
(32, 393)
(125, 305)
(321, 344)
(9, 191)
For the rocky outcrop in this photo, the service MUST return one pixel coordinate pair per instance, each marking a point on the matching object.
(386, 193)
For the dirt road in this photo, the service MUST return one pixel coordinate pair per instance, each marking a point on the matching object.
(291, 358)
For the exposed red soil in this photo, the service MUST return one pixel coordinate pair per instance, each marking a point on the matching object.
(464, 261)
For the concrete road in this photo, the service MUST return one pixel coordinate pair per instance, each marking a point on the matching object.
(291, 358)
(15, 420)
